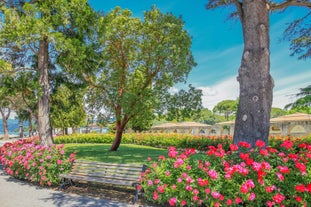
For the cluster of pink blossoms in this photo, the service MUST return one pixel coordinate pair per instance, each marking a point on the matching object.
(27, 160)
(240, 176)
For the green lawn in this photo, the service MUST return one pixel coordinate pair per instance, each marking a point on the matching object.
(127, 153)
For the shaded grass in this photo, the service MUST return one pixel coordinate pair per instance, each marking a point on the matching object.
(127, 153)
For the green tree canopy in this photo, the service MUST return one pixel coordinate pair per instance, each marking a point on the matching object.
(139, 61)
(303, 103)
(227, 108)
(183, 104)
(45, 29)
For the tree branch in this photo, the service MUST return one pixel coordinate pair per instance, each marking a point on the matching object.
(239, 9)
(275, 6)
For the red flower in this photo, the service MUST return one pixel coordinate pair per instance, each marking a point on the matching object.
(244, 144)
(309, 187)
(244, 188)
(260, 143)
(238, 200)
(287, 144)
(298, 199)
(229, 202)
(284, 169)
(155, 195)
(278, 198)
(172, 201)
(300, 188)
(301, 167)
(233, 147)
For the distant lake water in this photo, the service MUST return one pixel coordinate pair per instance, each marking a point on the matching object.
(13, 126)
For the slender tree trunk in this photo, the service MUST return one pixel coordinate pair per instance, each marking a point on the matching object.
(44, 125)
(256, 84)
(30, 126)
(5, 118)
(120, 126)
(21, 129)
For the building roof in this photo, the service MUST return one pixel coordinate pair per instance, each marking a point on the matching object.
(292, 117)
(180, 125)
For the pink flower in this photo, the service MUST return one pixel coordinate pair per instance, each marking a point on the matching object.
(167, 173)
(195, 191)
(59, 162)
(252, 196)
(283, 169)
(213, 174)
(250, 183)
(301, 167)
(244, 188)
(207, 190)
(155, 195)
(270, 189)
(188, 188)
(238, 200)
(183, 202)
(161, 188)
(150, 182)
(195, 198)
(172, 152)
(149, 159)
(229, 202)
(278, 198)
(280, 176)
(48, 157)
(215, 194)
(172, 201)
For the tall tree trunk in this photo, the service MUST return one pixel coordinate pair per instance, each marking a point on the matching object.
(5, 118)
(120, 126)
(21, 129)
(44, 125)
(256, 84)
(30, 126)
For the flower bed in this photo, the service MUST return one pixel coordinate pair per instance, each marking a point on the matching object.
(27, 160)
(237, 177)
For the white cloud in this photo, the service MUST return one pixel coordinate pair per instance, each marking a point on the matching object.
(228, 89)
(224, 90)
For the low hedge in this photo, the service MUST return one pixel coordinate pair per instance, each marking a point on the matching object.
(163, 140)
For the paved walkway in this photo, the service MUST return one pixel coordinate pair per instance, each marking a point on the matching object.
(16, 193)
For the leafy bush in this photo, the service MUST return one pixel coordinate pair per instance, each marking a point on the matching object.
(164, 140)
(237, 177)
(30, 161)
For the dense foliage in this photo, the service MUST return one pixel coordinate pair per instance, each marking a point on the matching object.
(30, 161)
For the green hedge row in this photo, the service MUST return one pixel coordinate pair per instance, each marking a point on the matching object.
(163, 140)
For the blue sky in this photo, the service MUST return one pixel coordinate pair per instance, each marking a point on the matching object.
(217, 45)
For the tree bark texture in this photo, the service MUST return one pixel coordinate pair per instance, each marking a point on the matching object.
(256, 84)
(44, 125)
(5, 118)
(120, 126)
